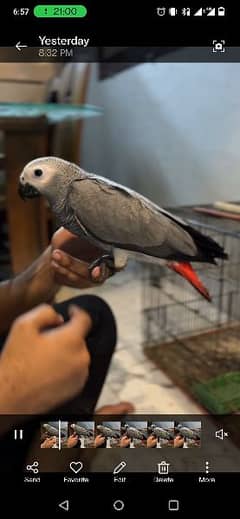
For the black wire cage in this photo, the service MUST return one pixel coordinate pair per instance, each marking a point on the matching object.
(173, 310)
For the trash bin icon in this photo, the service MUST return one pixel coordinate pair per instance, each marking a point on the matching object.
(163, 467)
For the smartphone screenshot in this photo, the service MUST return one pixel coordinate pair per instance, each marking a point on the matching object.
(120, 258)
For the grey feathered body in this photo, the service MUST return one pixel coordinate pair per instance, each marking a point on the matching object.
(107, 432)
(113, 216)
(133, 433)
(82, 431)
(161, 433)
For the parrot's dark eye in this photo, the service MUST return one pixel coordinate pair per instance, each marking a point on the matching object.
(38, 172)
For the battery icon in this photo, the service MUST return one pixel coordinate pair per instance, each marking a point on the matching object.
(221, 11)
(172, 11)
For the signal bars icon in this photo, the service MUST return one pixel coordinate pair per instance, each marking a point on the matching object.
(211, 11)
(186, 11)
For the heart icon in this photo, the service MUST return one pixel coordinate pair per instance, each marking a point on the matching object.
(76, 466)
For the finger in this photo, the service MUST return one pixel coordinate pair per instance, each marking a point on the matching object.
(75, 265)
(66, 277)
(68, 274)
(80, 319)
(61, 261)
(100, 274)
(75, 329)
(42, 317)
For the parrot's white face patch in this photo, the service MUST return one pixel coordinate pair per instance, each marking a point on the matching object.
(38, 175)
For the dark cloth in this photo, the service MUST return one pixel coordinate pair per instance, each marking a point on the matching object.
(101, 343)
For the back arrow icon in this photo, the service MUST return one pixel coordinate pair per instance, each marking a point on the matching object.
(19, 46)
(64, 505)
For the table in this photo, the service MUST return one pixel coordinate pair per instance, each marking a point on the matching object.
(26, 130)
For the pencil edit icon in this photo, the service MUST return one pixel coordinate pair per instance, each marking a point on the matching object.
(119, 467)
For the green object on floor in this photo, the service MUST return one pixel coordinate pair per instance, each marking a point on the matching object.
(220, 395)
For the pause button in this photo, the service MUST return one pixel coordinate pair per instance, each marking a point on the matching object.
(18, 434)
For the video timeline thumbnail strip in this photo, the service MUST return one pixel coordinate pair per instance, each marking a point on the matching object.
(120, 434)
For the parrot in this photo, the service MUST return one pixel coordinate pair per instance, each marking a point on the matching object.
(107, 432)
(134, 433)
(122, 222)
(80, 430)
(186, 432)
(159, 432)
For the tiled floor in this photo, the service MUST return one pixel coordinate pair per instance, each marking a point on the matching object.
(132, 377)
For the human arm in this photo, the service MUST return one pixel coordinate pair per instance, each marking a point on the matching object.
(151, 441)
(41, 367)
(99, 440)
(64, 262)
(72, 441)
(49, 443)
(125, 441)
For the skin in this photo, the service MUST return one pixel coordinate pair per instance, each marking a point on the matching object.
(125, 441)
(30, 382)
(26, 385)
(64, 262)
(72, 441)
(151, 441)
(49, 443)
(178, 441)
(99, 440)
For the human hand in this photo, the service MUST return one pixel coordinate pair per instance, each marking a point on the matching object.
(49, 443)
(125, 441)
(72, 441)
(40, 367)
(99, 440)
(178, 441)
(151, 441)
(120, 408)
(70, 259)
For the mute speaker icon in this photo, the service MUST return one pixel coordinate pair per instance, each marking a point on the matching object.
(221, 434)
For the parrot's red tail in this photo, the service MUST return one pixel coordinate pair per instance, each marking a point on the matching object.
(185, 270)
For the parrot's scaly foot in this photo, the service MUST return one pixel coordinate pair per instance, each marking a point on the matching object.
(105, 262)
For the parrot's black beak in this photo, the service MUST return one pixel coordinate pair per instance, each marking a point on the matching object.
(27, 191)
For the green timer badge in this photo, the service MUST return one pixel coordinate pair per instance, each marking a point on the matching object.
(60, 11)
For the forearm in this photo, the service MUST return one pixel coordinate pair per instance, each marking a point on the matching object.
(9, 414)
(32, 287)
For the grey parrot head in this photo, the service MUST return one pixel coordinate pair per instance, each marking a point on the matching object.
(47, 176)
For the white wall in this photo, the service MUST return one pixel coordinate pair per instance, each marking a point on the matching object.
(170, 131)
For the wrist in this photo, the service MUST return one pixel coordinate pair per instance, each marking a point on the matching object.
(36, 284)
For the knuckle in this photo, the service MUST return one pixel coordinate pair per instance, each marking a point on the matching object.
(19, 323)
(45, 307)
(66, 260)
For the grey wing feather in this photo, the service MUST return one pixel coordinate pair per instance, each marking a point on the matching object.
(120, 217)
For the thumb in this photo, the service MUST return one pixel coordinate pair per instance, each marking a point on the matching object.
(76, 328)
(43, 316)
(80, 320)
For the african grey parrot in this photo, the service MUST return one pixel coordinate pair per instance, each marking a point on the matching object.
(80, 430)
(50, 430)
(186, 432)
(159, 432)
(107, 432)
(134, 433)
(117, 219)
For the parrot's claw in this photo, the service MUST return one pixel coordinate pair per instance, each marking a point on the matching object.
(106, 262)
